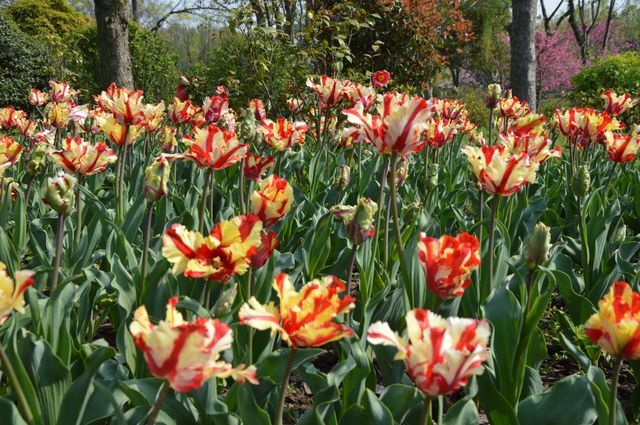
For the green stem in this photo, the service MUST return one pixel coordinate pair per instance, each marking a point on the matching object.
(15, 385)
(359, 166)
(425, 417)
(58, 255)
(378, 218)
(123, 164)
(425, 155)
(486, 289)
(584, 245)
(155, 409)
(203, 201)
(490, 125)
(251, 282)
(609, 179)
(145, 250)
(387, 221)
(613, 393)
(283, 387)
(78, 213)
(243, 207)
(352, 262)
(394, 205)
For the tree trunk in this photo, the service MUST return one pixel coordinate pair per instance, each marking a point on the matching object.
(523, 50)
(112, 21)
(134, 10)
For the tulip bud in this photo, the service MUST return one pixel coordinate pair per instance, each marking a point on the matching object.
(37, 162)
(402, 170)
(493, 94)
(432, 178)
(537, 250)
(360, 228)
(59, 193)
(224, 303)
(343, 176)
(620, 235)
(156, 177)
(581, 182)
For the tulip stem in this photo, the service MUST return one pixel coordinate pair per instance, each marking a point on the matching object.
(283, 387)
(145, 250)
(378, 221)
(123, 163)
(352, 262)
(15, 385)
(28, 192)
(359, 166)
(490, 125)
(425, 417)
(609, 179)
(58, 255)
(251, 278)
(79, 213)
(394, 205)
(243, 207)
(584, 245)
(614, 390)
(492, 224)
(155, 409)
(203, 201)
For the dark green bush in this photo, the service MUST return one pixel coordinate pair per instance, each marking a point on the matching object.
(46, 17)
(154, 63)
(23, 65)
(620, 73)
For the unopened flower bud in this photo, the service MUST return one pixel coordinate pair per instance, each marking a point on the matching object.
(37, 161)
(156, 177)
(620, 235)
(493, 95)
(432, 178)
(224, 303)
(402, 170)
(59, 193)
(537, 251)
(581, 182)
(361, 228)
(343, 176)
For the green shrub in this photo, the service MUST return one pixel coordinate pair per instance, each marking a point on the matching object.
(620, 73)
(154, 63)
(46, 17)
(23, 65)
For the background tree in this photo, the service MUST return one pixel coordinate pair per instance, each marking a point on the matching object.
(523, 50)
(112, 21)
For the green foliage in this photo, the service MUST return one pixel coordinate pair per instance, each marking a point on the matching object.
(154, 63)
(620, 73)
(261, 64)
(45, 17)
(17, 77)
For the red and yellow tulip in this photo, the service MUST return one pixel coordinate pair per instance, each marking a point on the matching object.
(226, 251)
(304, 318)
(272, 200)
(10, 152)
(622, 147)
(448, 261)
(282, 134)
(441, 355)
(213, 148)
(381, 78)
(616, 105)
(329, 90)
(256, 166)
(12, 291)
(186, 354)
(78, 156)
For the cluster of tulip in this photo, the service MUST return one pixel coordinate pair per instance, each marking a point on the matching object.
(441, 354)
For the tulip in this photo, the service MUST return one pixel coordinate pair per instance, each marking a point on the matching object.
(11, 118)
(282, 134)
(537, 147)
(615, 105)
(512, 108)
(224, 252)
(257, 166)
(615, 327)
(156, 177)
(294, 104)
(584, 126)
(381, 78)
(499, 171)
(127, 107)
(494, 91)
(343, 176)
(439, 132)
(530, 123)
(355, 93)
(57, 114)
(12, 298)
(182, 88)
(213, 148)
(256, 107)
(153, 116)
(622, 147)
(581, 182)
(214, 108)
(61, 92)
(186, 354)
(182, 112)
(396, 128)
(268, 244)
(78, 156)
(329, 91)
(272, 200)
(447, 262)
(440, 355)
(10, 152)
(305, 318)
(38, 98)
(449, 109)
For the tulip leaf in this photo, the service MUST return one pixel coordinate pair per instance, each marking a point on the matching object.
(400, 399)
(9, 412)
(463, 412)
